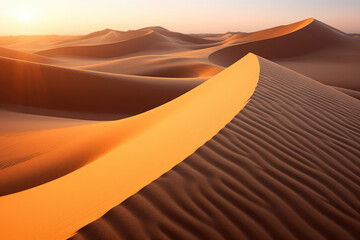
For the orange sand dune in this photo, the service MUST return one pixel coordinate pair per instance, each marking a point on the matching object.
(286, 167)
(309, 37)
(82, 94)
(58, 208)
(88, 121)
(309, 47)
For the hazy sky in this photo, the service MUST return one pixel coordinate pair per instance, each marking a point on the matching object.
(188, 16)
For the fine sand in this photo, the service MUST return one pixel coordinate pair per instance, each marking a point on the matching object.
(154, 134)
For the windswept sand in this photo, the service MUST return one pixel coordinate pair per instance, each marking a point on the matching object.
(145, 127)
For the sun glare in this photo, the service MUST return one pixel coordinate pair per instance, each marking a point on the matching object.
(24, 15)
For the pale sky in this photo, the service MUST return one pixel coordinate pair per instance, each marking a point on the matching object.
(74, 17)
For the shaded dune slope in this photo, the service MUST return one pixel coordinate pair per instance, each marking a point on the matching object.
(286, 167)
(313, 37)
(30, 87)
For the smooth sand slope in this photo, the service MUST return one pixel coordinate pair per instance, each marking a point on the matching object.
(286, 167)
(126, 154)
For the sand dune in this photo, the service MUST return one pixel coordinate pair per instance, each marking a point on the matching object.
(82, 94)
(181, 37)
(59, 207)
(284, 168)
(306, 37)
(309, 47)
(150, 41)
(103, 36)
(268, 33)
(147, 41)
(145, 127)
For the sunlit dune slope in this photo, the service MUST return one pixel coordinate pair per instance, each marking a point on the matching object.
(286, 167)
(130, 153)
(83, 94)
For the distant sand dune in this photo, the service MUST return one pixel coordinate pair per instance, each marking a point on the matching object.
(268, 33)
(102, 37)
(147, 41)
(151, 41)
(311, 37)
(309, 47)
